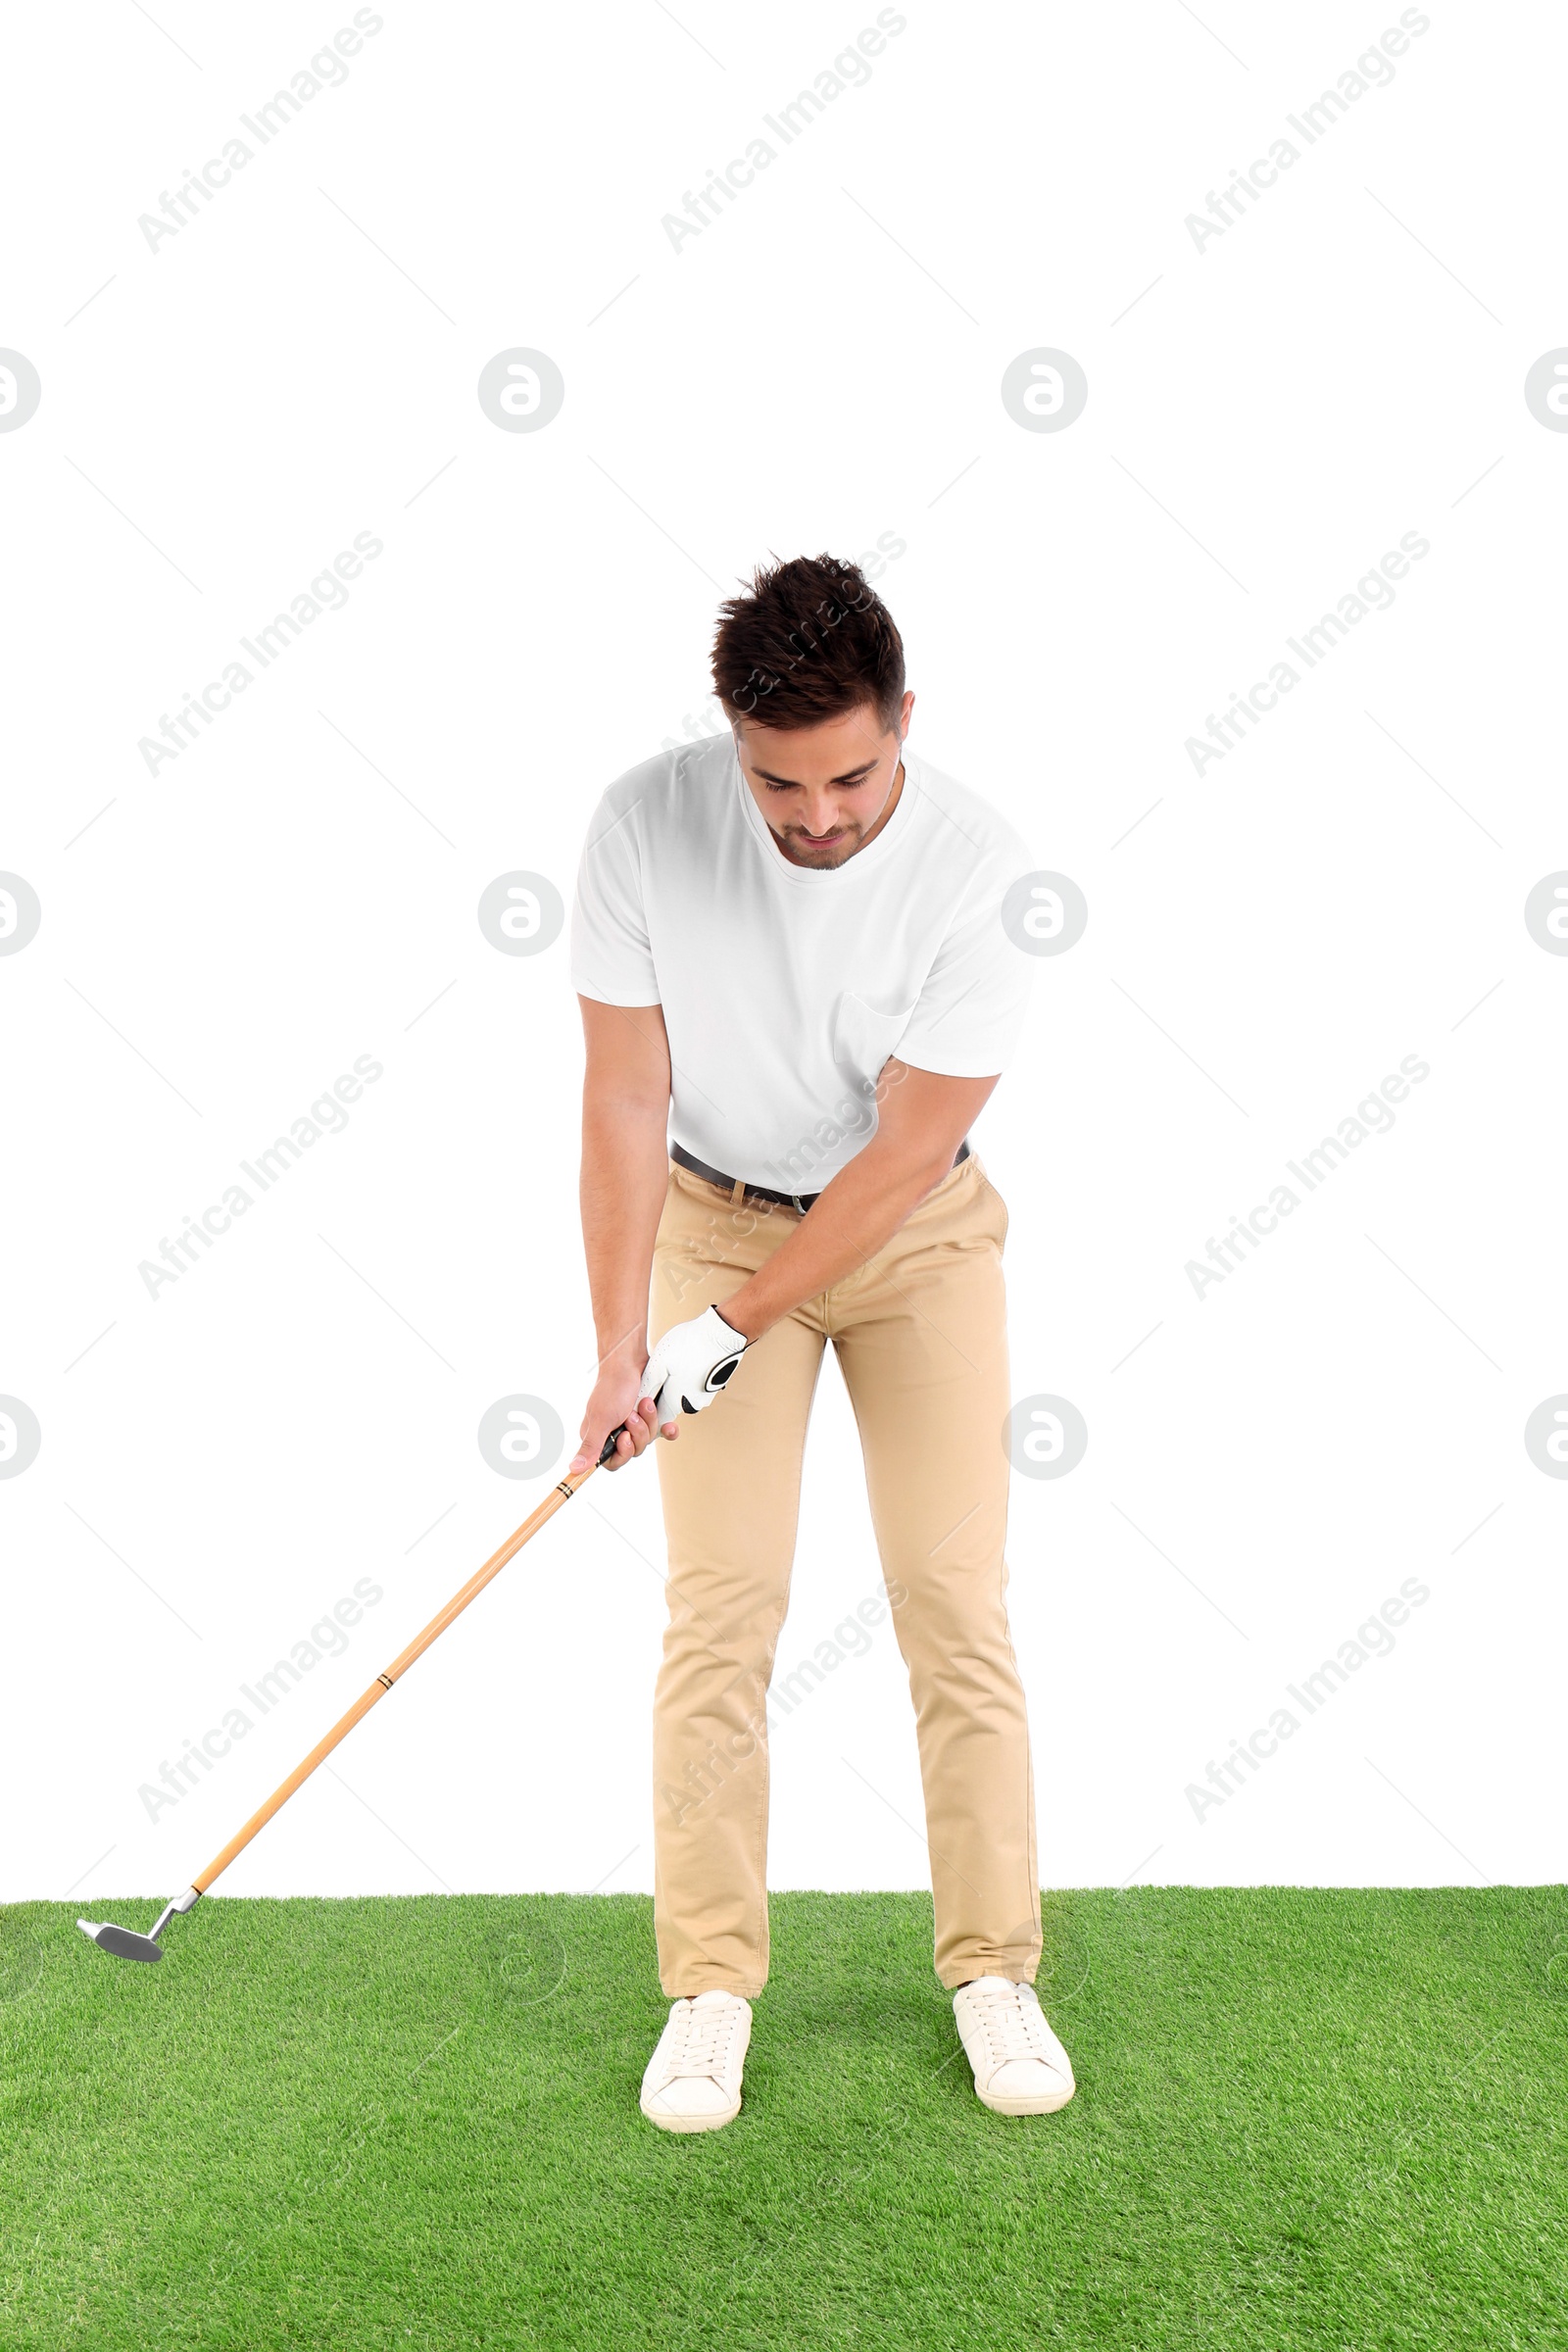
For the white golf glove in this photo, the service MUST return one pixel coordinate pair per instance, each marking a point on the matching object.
(691, 1363)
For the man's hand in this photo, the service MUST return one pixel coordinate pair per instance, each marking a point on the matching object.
(615, 1399)
(691, 1365)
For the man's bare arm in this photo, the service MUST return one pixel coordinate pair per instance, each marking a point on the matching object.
(923, 1119)
(626, 1172)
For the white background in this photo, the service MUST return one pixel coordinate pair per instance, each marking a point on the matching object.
(820, 365)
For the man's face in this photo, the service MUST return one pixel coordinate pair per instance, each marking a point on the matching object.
(823, 791)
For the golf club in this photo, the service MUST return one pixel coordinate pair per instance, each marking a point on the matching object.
(124, 1943)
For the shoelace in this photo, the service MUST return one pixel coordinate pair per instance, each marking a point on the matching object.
(1012, 2025)
(702, 2042)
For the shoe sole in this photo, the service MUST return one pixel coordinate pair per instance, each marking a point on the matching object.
(692, 2123)
(1025, 2106)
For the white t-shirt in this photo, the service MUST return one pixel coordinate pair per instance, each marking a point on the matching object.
(786, 988)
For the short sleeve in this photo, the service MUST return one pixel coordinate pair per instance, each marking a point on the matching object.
(612, 959)
(969, 1015)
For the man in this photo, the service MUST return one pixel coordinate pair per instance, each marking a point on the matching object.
(797, 996)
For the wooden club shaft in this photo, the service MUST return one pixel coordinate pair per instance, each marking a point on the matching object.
(559, 1495)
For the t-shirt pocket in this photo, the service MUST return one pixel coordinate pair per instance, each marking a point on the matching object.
(863, 1036)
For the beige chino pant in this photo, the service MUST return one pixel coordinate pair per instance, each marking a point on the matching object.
(921, 1339)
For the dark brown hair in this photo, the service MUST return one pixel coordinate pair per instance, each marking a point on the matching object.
(810, 641)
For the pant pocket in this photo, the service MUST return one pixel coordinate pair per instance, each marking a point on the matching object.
(995, 1207)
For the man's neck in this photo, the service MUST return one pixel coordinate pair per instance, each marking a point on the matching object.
(892, 803)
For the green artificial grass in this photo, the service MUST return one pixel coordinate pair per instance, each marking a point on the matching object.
(1303, 2118)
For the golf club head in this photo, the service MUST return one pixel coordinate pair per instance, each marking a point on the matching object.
(123, 1942)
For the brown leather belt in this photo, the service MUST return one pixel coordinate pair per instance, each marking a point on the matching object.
(759, 1191)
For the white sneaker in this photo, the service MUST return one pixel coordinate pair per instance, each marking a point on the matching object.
(1020, 2068)
(693, 2081)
